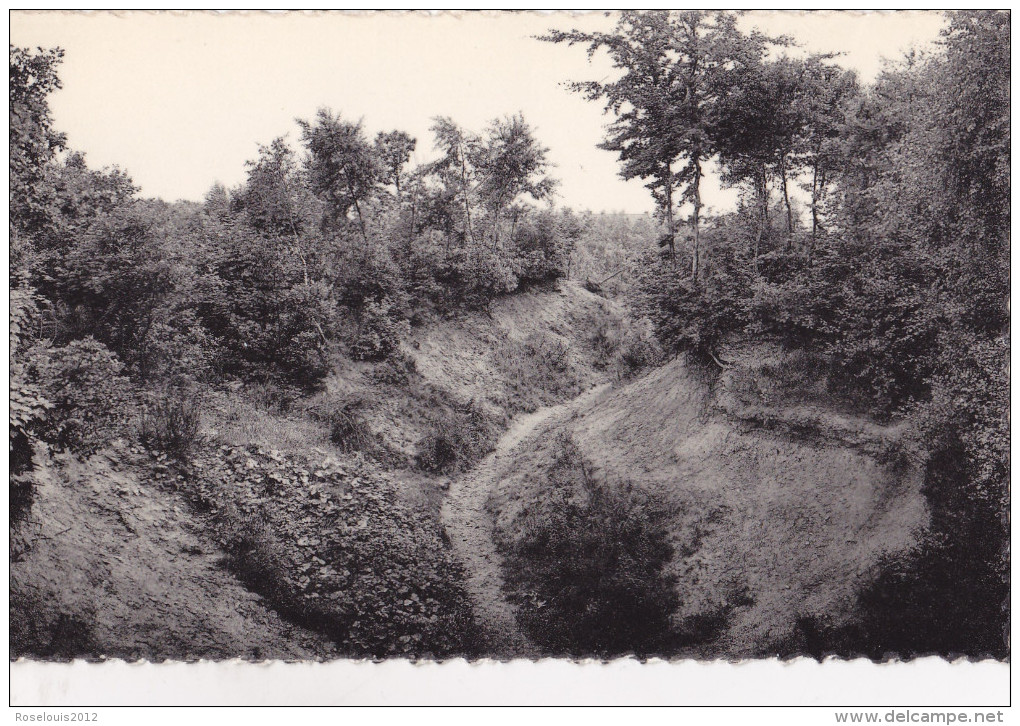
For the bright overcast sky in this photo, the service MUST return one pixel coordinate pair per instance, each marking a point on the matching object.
(181, 100)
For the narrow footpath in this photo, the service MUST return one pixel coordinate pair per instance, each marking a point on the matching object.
(470, 529)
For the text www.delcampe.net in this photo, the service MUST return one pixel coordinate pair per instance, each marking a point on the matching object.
(906, 716)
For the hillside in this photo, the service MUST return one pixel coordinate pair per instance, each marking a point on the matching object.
(133, 556)
(770, 527)
(111, 564)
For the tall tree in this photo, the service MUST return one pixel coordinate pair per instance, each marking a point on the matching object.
(825, 92)
(757, 125)
(454, 167)
(33, 141)
(511, 164)
(670, 67)
(394, 150)
(342, 165)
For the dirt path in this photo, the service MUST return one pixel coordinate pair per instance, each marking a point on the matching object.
(469, 527)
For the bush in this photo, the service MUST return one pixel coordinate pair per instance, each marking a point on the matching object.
(605, 340)
(176, 353)
(538, 371)
(398, 369)
(271, 396)
(91, 399)
(348, 429)
(638, 350)
(27, 404)
(380, 331)
(455, 435)
(446, 445)
(691, 317)
(586, 564)
(170, 421)
(371, 573)
(543, 244)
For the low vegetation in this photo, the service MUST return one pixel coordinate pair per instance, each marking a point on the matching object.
(329, 544)
(585, 565)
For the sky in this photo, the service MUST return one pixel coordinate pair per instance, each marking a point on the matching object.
(180, 100)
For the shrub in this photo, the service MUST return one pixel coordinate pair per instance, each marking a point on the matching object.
(27, 404)
(176, 353)
(586, 564)
(454, 438)
(380, 331)
(538, 371)
(397, 369)
(91, 399)
(605, 340)
(256, 555)
(691, 317)
(348, 429)
(170, 421)
(271, 396)
(543, 245)
(638, 350)
(437, 453)
(371, 573)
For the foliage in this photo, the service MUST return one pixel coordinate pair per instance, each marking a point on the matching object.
(899, 289)
(33, 141)
(380, 331)
(543, 244)
(347, 427)
(28, 405)
(587, 564)
(676, 68)
(91, 399)
(607, 250)
(454, 439)
(638, 350)
(170, 419)
(537, 369)
(365, 570)
(342, 166)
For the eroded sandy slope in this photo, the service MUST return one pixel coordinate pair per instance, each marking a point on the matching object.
(108, 564)
(768, 528)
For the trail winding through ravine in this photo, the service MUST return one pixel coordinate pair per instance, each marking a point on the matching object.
(470, 529)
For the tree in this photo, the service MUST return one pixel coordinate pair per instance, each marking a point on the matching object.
(673, 66)
(757, 124)
(342, 166)
(394, 149)
(826, 91)
(511, 164)
(33, 142)
(453, 168)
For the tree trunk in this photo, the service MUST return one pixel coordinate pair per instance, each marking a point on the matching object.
(361, 221)
(414, 212)
(669, 213)
(696, 255)
(495, 229)
(513, 223)
(761, 191)
(357, 206)
(464, 190)
(786, 200)
(814, 207)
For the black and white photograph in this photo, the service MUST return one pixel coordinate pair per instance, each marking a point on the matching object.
(666, 335)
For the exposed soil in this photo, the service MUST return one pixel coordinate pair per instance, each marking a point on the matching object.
(108, 564)
(776, 520)
(469, 527)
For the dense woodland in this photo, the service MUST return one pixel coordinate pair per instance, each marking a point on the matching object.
(871, 238)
